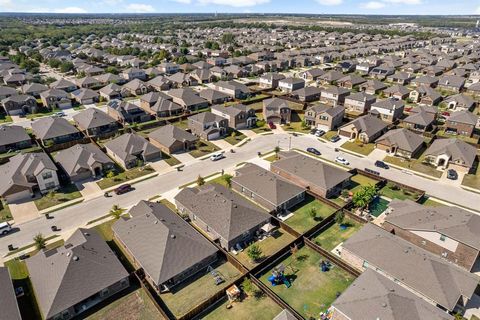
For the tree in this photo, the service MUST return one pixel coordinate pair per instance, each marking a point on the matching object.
(254, 252)
(200, 180)
(313, 213)
(66, 66)
(111, 70)
(40, 241)
(248, 286)
(110, 174)
(364, 196)
(116, 211)
(339, 217)
(54, 63)
(228, 180)
(228, 38)
(233, 134)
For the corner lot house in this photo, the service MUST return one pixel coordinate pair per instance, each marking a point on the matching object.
(374, 296)
(271, 191)
(24, 174)
(84, 161)
(10, 309)
(276, 110)
(239, 116)
(452, 154)
(400, 142)
(77, 276)
(166, 247)
(314, 175)
(208, 125)
(222, 214)
(130, 148)
(411, 266)
(365, 128)
(171, 139)
(450, 232)
(14, 138)
(95, 122)
(53, 131)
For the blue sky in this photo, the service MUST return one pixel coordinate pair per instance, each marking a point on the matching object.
(254, 6)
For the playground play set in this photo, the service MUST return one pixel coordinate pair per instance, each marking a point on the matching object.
(278, 277)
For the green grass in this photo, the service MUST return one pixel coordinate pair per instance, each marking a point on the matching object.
(248, 308)
(18, 269)
(236, 139)
(358, 147)
(414, 165)
(60, 196)
(330, 134)
(199, 288)
(333, 236)
(181, 124)
(222, 180)
(269, 246)
(42, 112)
(442, 133)
(204, 148)
(472, 180)
(271, 158)
(356, 183)
(431, 203)
(390, 190)
(296, 124)
(5, 119)
(301, 220)
(312, 291)
(5, 214)
(124, 176)
(137, 305)
(170, 160)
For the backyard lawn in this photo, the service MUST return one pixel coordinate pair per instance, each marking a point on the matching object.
(302, 220)
(414, 165)
(191, 293)
(279, 239)
(334, 235)
(5, 213)
(203, 148)
(233, 140)
(181, 124)
(248, 308)
(125, 176)
(137, 305)
(358, 147)
(60, 196)
(393, 191)
(312, 291)
(356, 182)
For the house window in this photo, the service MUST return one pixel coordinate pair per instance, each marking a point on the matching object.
(50, 185)
(104, 292)
(442, 237)
(47, 175)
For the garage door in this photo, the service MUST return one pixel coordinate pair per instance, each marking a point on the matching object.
(344, 133)
(213, 136)
(19, 196)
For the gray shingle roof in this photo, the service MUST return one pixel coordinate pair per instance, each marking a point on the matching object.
(12, 134)
(458, 150)
(129, 145)
(403, 138)
(48, 128)
(368, 124)
(92, 118)
(81, 157)
(169, 134)
(10, 309)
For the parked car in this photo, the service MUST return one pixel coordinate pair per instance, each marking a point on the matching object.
(335, 138)
(272, 125)
(342, 160)
(381, 164)
(217, 156)
(124, 188)
(59, 114)
(5, 228)
(314, 151)
(452, 174)
(319, 133)
(313, 131)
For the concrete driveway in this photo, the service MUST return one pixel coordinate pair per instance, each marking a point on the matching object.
(89, 189)
(160, 166)
(24, 211)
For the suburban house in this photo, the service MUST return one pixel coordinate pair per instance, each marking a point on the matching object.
(214, 96)
(188, 99)
(389, 110)
(77, 276)
(133, 73)
(291, 84)
(358, 103)
(84, 161)
(324, 116)
(165, 246)
(239, 116)
(233, 88)
(451, 83)
(401, 78)
(316, 176)
(366, 128)
(414, 268)
(425, 81)
(276, 110)
(270, 191)
(400, 142)
(126, 112)
(447, 231)
(136, 87)
(270, 80)
(95, 122)
(334, 95)
(6, 92)
(312, 74)
(421, 118)
(350, 81)
(10, 310)
(307, 94)
(372, 87)
(171, 139)
(397, 91)
(64, 84)
(85, 96)
(19, 104)
(55, 99)
(459, 102)
(51, 131)
(375, 296)
(461, 123)
(224, 215)
(148, 100)
(159, 84)
(452, 154)
(25, 174)
(13, 138)
(208, 125)
(130, 148)
(330, 78)
(425, 95)
(110, 92)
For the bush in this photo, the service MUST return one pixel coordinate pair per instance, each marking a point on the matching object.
(254, 252)
(339, 217)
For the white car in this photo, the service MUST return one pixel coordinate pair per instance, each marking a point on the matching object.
(5, 228)
(342, 160)
(217, 156)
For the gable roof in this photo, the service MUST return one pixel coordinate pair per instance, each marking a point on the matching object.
(169, 134)
(10, 310)
(457, 149)
(92, 118)
(49, 127)
(12, 134)
(81, 156)
(368, 124)
(403, 138)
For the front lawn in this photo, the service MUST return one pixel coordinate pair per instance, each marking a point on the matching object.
(272, 158)
(236, 138)
(203, 148)
(170, 160)
(5, 214)
(125, 176)
(297, 124)
(334, 235)
(472, 180)
(269, 246)
(414, 165)
(393, 191)
(431, 203)
(222, 180)
(5, 119)
(312, 291)
(302, 219)
(358, 147)
(137, 305)
(64, 194)
(194, 291)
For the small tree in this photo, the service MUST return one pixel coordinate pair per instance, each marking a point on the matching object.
(200, 180)
(40, 241)
(110, 174)
(233, 134)
(116, 211)
(313, 213)
(228, 180)
(339, 217)
(248, 286)
(254, 252)
(276, 150)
